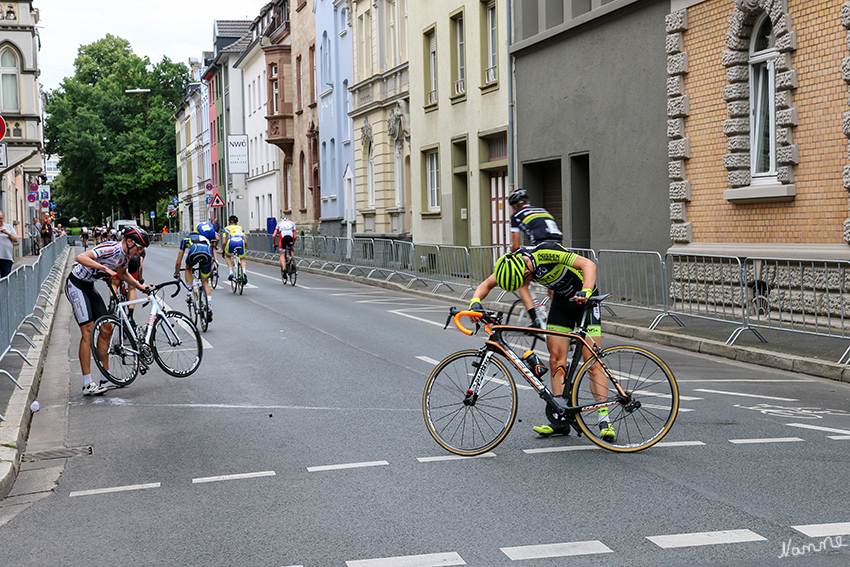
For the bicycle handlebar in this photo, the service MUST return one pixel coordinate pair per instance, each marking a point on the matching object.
(488, 317)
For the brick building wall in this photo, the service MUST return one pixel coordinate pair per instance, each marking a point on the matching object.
(817, 213)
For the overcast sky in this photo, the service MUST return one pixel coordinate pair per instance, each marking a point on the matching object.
(178, 29)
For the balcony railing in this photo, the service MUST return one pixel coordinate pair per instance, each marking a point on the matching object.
(460, 86)
(491, 75)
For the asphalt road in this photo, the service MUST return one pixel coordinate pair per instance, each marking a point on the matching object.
(300, 441)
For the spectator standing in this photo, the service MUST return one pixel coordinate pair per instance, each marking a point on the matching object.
(8, 238)
(46, 232)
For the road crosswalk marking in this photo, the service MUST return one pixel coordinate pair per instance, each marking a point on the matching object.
(824, 530)
(556, 550)
(705, 538)
(429, 560)
(819, 428)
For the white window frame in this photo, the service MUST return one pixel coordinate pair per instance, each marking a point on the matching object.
(432, 67)
(491, 74)
(391, 11)
(432, 171)
(765, 60)
(275, 97)
(370, 174)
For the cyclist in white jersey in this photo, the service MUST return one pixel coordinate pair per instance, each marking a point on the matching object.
(284, 238)
(87, 304)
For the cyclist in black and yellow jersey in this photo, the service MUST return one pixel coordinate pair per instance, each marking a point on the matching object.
(572, 278)
(536, 222)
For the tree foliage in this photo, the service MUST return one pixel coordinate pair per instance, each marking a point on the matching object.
(116, 148)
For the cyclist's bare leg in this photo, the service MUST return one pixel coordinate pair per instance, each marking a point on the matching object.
(189, 277)
(102, 346)
(244, 265)
(598, 380)
(558, 349)
(205, 281)
(283, 258)
(227, 259)
(85, 348)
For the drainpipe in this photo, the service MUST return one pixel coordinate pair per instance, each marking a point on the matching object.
(511, 165)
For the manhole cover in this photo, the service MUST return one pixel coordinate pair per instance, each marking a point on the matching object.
(62, 453)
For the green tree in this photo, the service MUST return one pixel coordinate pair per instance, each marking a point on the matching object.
(117, 148)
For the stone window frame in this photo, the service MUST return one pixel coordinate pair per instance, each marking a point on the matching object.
(736, 93)
(743, 189)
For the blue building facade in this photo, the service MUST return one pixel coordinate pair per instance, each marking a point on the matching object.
(333, 44)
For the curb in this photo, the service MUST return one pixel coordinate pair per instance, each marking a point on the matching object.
(750, 355)
(14, 431)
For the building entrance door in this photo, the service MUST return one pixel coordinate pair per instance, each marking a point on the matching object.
(500, 213)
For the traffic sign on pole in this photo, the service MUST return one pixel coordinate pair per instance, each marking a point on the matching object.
(33, 187)
(45, 204)
(2, 128)
(32, 197)
(216, 201)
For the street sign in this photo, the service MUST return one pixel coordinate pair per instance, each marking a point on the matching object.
(45, 195)
(4, 159)
(153, 214)
(52, 205)
(216, 201)
(174, 201)
(33, 187)
(2, 128)
(45, 204)
(209, 200)
(209, 186)
(32, 197)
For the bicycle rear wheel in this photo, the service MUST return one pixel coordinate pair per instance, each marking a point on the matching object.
(283, 276)
(122, 359)
(469, 427)
(214, 276)
(293, 273)
(652, 401)
(205, 308)
(176, 344)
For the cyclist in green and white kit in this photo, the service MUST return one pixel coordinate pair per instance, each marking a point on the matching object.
(570, 277)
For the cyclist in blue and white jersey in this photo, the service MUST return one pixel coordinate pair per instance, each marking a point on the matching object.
(207, 229)
(536, 222)
(87, 304)
(200, 253)
(284, 237)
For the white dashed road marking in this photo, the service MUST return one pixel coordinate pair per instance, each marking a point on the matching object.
(430, 560)
(705, 538)
(114, 489)
(452, 458)
(556, 550)
(818, 428)
(824, 530)
(760, 396)
(232, 477)
(774, 440)
(347, 466)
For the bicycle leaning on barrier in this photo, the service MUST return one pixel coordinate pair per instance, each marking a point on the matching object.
(470, 399)
(169, 338)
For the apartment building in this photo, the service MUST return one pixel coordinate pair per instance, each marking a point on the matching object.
(336, 127)
(20, 105)
(228, 142)
(264, 164)
(192, 131)
(459, 110)
(379, 105)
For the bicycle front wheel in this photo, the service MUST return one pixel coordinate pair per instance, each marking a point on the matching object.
(650, 407)
(120, 363)
(517, 315)
(176, 344)
(465, 426)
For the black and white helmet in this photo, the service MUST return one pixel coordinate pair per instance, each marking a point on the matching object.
(137, 235)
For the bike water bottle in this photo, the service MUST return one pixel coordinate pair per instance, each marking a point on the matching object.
(533, 362)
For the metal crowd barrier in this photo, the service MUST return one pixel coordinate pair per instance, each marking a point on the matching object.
(22, 291)
(800, 296)
(636, 279)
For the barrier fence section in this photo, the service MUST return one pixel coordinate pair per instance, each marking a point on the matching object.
(636, 279)
(801, 296)
(710, 287)
(20, 293)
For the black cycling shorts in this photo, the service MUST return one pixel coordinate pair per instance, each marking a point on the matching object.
(565, 315)
(86, 303)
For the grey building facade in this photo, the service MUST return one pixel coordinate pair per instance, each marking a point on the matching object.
(591, 109)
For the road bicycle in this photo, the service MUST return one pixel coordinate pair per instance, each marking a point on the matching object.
(198, 302)
(214, 275)
(290, 274)
(470, 399)
(121, 351)
(237, 283)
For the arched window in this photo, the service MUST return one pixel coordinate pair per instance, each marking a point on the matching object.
(762, 62)
(303, 182)
(9, 80)
(370, 174)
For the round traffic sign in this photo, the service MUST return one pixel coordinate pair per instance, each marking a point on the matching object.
(33, 187)
(2, 128)
(32, 197)
(209, 186)
(45, 204)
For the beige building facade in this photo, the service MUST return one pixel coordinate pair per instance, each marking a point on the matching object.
(379, 108)
(459, 110)
(20, 106)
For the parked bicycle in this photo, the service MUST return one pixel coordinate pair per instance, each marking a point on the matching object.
(169, 338)
(198, 302)
(470, 399)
